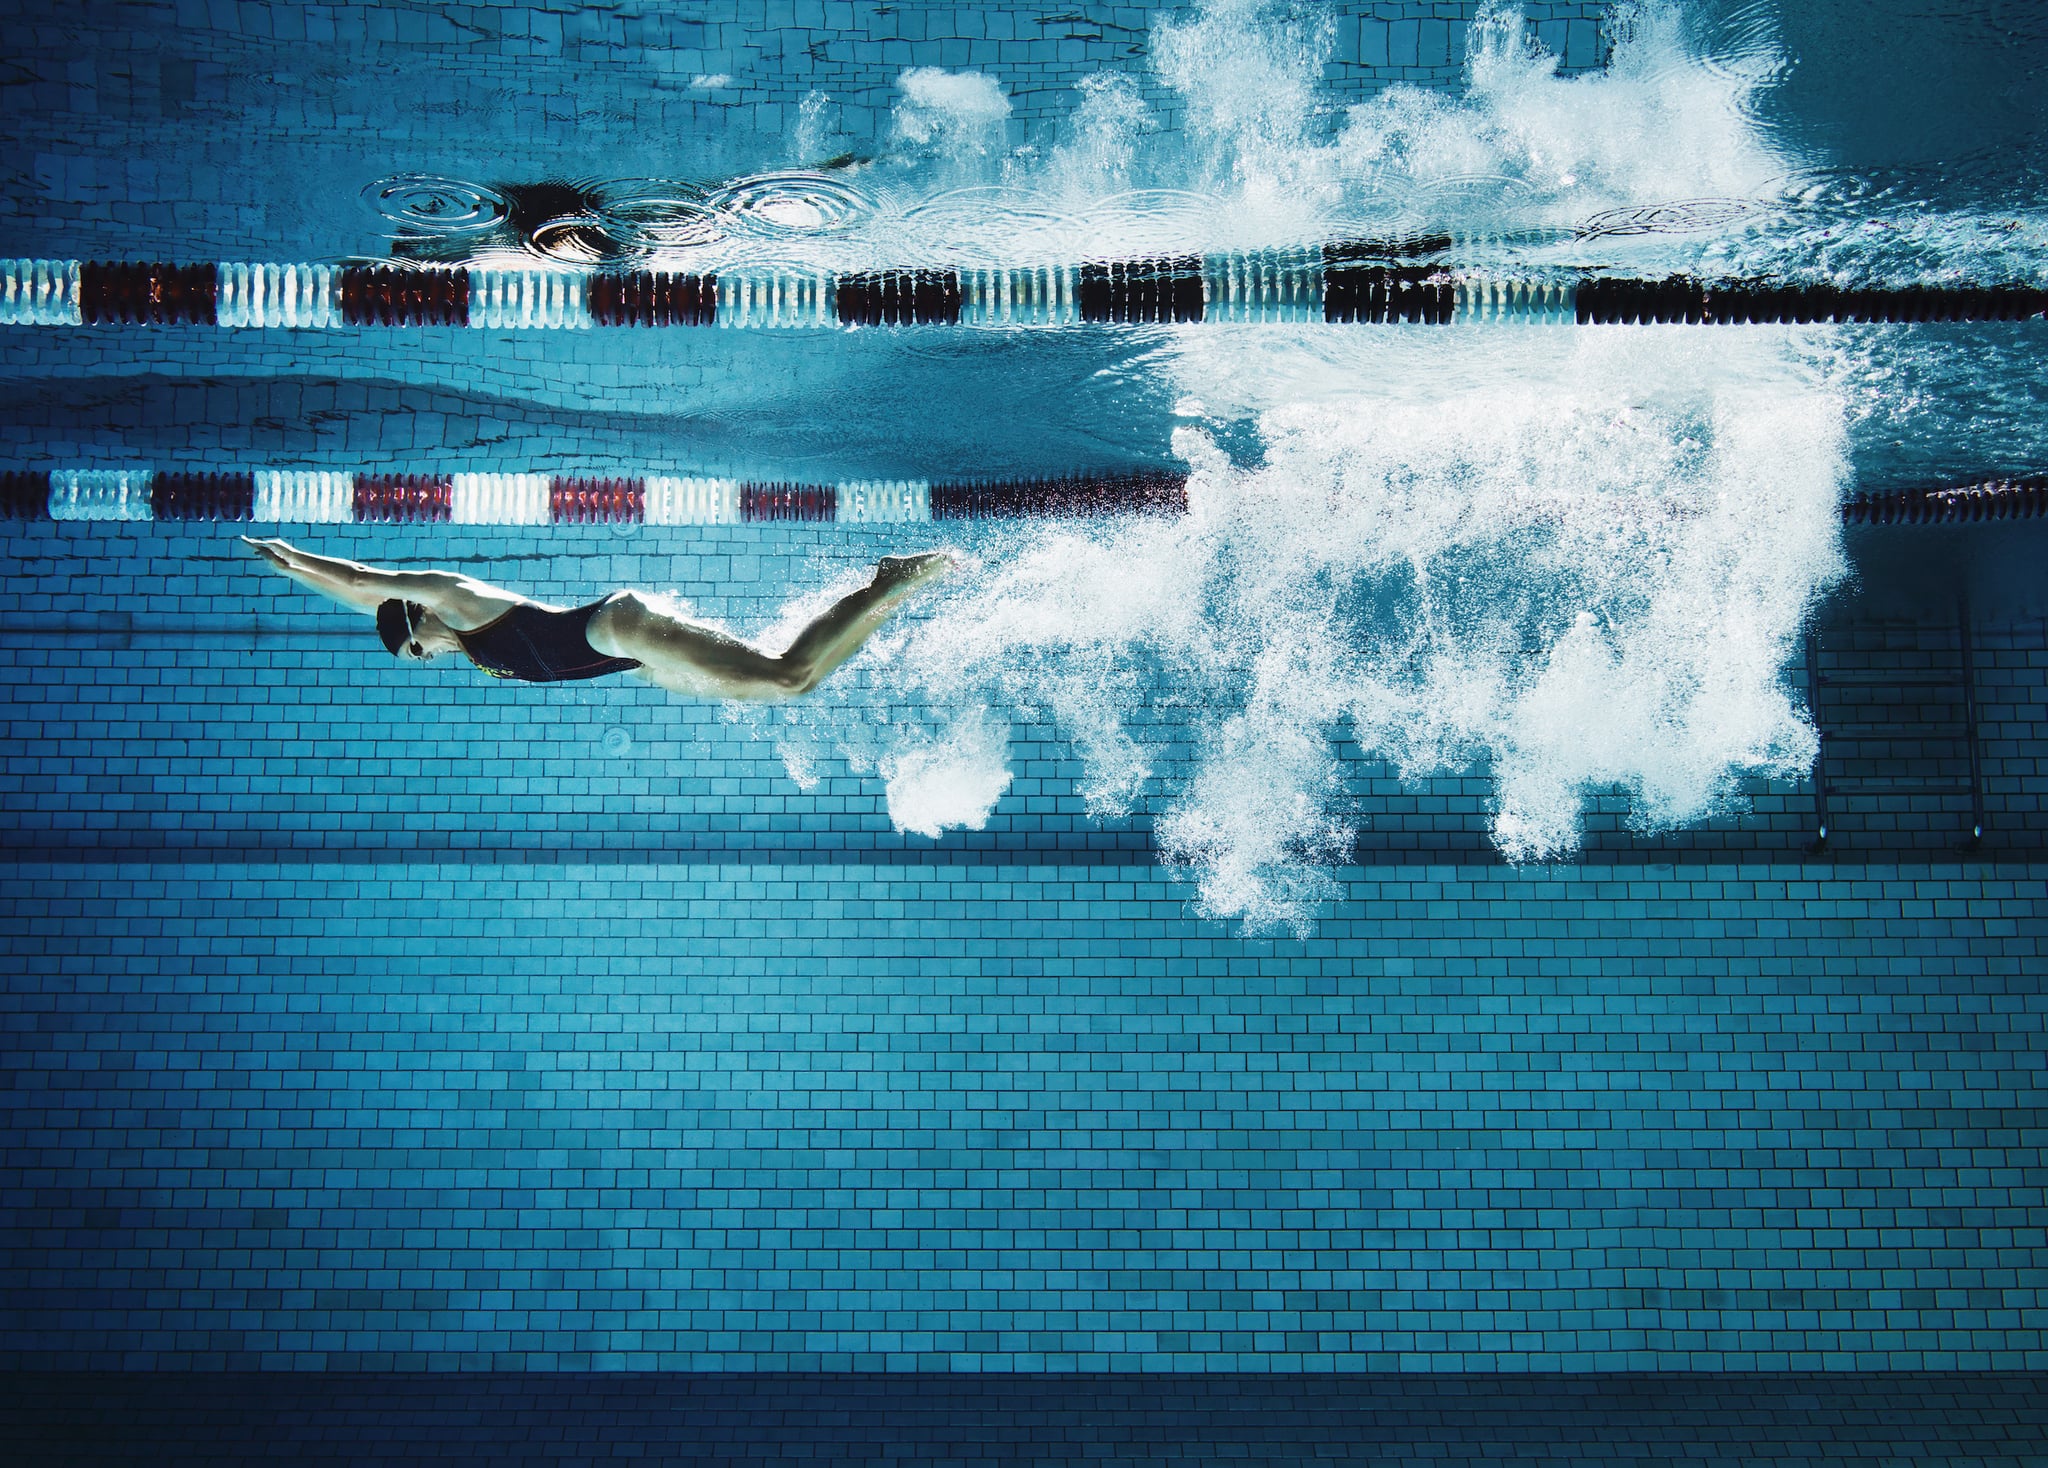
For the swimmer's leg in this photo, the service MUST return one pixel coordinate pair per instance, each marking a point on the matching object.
(694, 658)
(854, 618)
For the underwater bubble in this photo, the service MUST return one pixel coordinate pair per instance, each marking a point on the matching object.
(949, 783)
(617, 741)
(1569, 564)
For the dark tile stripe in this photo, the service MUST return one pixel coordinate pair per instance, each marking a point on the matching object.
(226, 1419)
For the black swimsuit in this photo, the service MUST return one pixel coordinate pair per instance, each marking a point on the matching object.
(535, 645)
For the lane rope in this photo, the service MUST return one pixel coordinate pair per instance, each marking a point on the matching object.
(342, 497)
(1315, 283)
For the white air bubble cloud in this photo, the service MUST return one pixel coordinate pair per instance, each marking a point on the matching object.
(1100, 147)
(956, 116)
(1580, 564)
(1656, 125)
(1573, 561)
(1247, 72)
(949, 783)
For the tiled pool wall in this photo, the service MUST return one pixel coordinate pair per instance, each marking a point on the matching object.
(373, 1017)
(714, 1117)
(554, 90)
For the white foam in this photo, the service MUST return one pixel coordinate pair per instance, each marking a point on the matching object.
(949, 783)
(1579, 562)
(1573, 560)
(1655, 125)
(1099, 148)
(955, 116)
(1247, 72)
(817, 135)
(1263, 160)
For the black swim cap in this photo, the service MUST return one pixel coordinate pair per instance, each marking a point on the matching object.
(397, 621)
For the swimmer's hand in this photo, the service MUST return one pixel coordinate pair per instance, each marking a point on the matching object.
(274, 551)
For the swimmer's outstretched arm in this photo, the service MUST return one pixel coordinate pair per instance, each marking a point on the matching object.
(459, 600)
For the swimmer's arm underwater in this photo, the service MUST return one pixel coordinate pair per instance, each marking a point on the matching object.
(365, 588)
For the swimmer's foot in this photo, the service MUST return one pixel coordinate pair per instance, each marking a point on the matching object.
(904, 574)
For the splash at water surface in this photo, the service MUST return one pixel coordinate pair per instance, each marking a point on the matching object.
(1575, 561)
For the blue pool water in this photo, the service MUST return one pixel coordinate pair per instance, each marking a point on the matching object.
(1350, 972)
